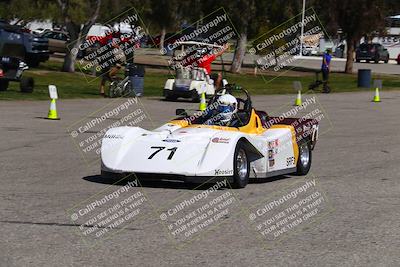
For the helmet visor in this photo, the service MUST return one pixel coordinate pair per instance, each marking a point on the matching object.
(225, 108)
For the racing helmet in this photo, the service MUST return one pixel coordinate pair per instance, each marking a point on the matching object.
(227, 107)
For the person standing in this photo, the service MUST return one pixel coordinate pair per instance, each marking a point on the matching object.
(325, 69)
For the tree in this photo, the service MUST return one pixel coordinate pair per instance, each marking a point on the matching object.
(165, 16)
(15, 11)
(242, 13)
(356, 18)
(74, 13)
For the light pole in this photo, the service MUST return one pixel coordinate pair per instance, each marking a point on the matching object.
(302, 27)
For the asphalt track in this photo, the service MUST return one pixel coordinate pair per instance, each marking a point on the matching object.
(355, 164)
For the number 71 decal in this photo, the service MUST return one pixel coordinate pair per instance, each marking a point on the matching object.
(159, 148)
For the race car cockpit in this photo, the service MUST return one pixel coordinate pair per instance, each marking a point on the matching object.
(224, 110)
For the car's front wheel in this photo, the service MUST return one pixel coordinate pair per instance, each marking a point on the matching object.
(304, 160)
(241, 166)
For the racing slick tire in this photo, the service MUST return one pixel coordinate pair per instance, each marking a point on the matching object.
(305, 156)
(241, 166)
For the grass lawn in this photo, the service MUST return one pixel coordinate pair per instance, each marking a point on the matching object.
(78, 85)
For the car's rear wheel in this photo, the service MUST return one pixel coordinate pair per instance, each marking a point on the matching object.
(241, 166)
(387, 60)
(304, 161)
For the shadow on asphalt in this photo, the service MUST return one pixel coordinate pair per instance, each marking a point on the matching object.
(170, 184)
(179, 100)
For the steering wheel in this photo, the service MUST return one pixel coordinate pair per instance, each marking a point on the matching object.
(241, 101)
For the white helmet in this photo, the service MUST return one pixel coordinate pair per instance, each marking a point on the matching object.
(227, 107)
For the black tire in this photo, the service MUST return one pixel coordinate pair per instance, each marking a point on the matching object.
(357, 60)
(387, 60)
(376, 60)
(304, 165)
(26, 85)
(3, 85)
(240, 178)
(195, 97)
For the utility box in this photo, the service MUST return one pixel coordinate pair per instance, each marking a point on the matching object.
(364, 78)
(136, 77)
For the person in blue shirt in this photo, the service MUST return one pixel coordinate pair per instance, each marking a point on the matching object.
(325, 67)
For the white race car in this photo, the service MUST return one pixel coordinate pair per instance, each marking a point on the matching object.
(254, 145)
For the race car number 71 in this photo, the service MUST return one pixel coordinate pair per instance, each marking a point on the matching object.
(159, 148)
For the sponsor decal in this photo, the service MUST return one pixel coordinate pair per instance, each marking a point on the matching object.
(273, 144)
(113, 136)
(289, 161)
(272, 151)
(223, 172)
(270, 154)
(271, 163)
(171, 140)
(220, 140)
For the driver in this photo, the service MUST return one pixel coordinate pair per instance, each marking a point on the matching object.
(225, 111)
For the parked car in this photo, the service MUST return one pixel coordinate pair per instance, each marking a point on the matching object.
(57, 41)
(14, 41)
(398, 59)
(39, 31)
(372, 52)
